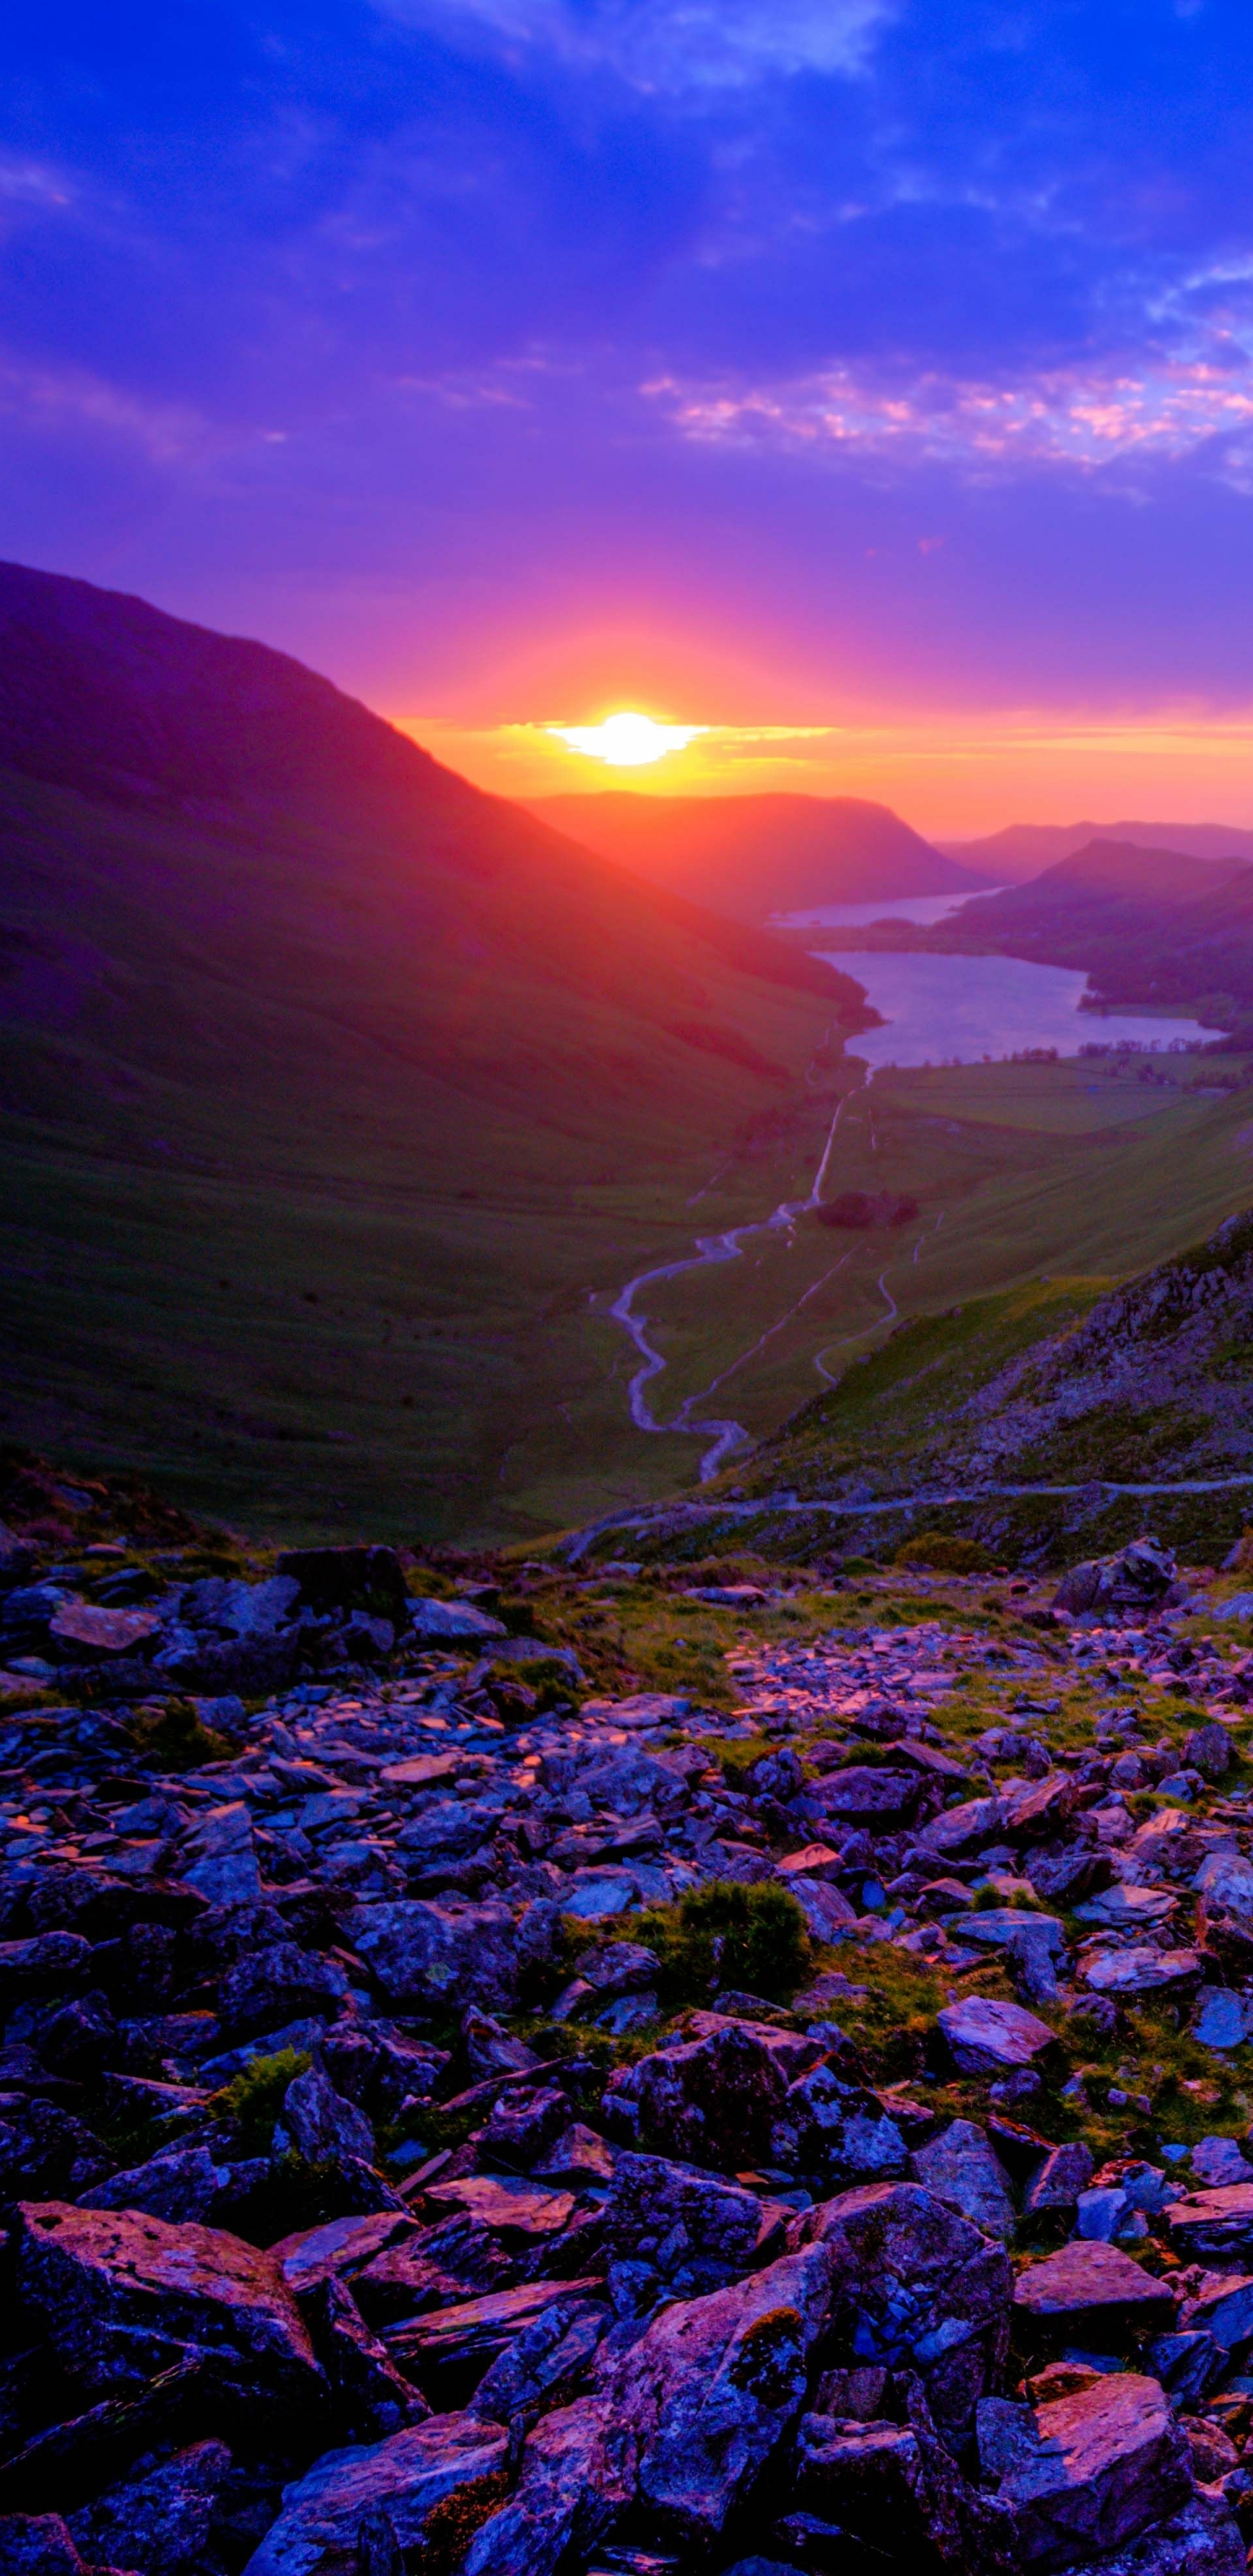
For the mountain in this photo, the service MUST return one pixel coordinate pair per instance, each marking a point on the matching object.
(758, 855)
(330, 1087)
(1024, 849)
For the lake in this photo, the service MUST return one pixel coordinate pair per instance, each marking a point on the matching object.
(945, 1010)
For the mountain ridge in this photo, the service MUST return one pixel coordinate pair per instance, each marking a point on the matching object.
(757, 855)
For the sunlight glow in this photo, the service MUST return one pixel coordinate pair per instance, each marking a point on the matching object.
(627, 741)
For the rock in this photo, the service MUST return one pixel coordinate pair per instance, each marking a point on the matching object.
(1222, 2019)
(89, 1632)
(1188, 2365)
(856, 1793)
(48, 1960)
(671, 2230)
(1059, 2178)
(1219, 2160)
(277, 1984)
(1214, 2226)
(317, 2123)
(182, 2183)
(712, 2101)
(563, 2498)
(349, 1578)
(894, 2488)
(1141, 1972)
(548, 2358)
(1092, 2292)
(837, 2130)
(39, 2544)
(1208, 1750)
(1136, 1579)
(698, 2406)
(316, 2531)
(963, 1829)
(423, 1952)
(1224, 1884)
(369, 2396)
(1087, 2473)
(339, 2248)
(121, 2297)
(511, 2207)
(453, 1619)
(961, 2169)
(522, 2128)
(986, 2037)
(915, 2287)
(828, 1913)
(469, 2335)
(222, 1862)
(1222, 2309)
(160, 2522)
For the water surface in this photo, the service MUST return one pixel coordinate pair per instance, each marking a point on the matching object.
(959, 1010)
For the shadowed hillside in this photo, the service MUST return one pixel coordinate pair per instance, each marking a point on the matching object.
(756, 855)
(329, 1085)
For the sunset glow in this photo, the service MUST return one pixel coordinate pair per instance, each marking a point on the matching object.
(628, 740)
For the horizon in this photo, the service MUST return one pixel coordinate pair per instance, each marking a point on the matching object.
(879, 404)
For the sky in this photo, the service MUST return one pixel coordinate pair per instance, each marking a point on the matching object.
(867, 383)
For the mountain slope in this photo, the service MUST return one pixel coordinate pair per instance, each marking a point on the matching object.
(329, 1086)
(757, 855)
(1024, 849)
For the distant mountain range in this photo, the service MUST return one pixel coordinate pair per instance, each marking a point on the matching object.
(1147, 926)
(1024, 849)
(754, 856)
(313, 1060)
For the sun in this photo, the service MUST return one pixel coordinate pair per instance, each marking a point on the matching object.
(628, 740)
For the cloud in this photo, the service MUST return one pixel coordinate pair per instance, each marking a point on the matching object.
(678, 46)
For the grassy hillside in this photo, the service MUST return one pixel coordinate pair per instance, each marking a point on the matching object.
(331, 1089)
(754, 855)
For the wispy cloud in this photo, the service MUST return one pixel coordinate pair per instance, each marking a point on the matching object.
(679, 45)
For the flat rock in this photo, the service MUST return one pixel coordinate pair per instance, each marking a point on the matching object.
(436, 1619)
(1093, 2289)
(962, 1829)
(480, 2328)
(121, 2297)
(963, 2171)
(316, 2530)
(339, 2248)
(1086, 2473)
(1222, 2019)
(505, 2203)
(1213, 2224)
(1141, 1972)
(102, 1632)
(987, 2037)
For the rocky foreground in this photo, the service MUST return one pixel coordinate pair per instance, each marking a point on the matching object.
(451, 2120)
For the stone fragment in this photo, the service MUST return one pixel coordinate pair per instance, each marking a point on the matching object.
(1214, 2226)
(1222, 2308)
(470, 2334)
(349, 1578)
(961, 2169)
(158, 2523)
(505, 2202)
(839, 2131)
(1222, 2019)
(1208, 1750)
(963, 1829)
(671, 2229)
(454, 1619)
(1087, 2473)
(546, 2361)
(1138, 1578)
(183, 2183)
(1092, 2292)
(221, 1862)
(277, 1984)
(699, 2404)
(121, 2297)
(318, 2124)
(316, 2531)
(986, 2037)
(894, 2488)
(861, 1794)
(563, 2499)
(1219, 2160)
(369, 2396)
(422, 1952)
(1058, 2180)
(915, 2287)
(712, 2101)
(1141, 1972)
(826, 1911)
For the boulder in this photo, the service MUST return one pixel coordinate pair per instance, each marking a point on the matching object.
(673, 2231)
(962, 1829)
(221, 1861)
(316, 2531)
(860, 1793)
(697, 2407)
(1208, 1750)
(546, 2361)
(1222, 2308)
(1086, 2473)
(422, 1952)
(453, 1619)
(1222, 2019)
(712, 2101)
(1142, 1972)
(1138, 1578)
(960, 2168)
(277, 1984)
(1214, 2227)
(317, 2123)
(1092, 2292)
(1058, 2179)
(563, 2498)
(836, 2130)
(990, 2038)
(349, 1578)
(181, 2184)
(892, 2486)
(158, 2523)
(121, 2297)
(828, 1913)
(915, 2287)
(369, 2397)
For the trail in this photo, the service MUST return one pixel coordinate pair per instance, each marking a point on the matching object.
(889, 1300)
(930, 1500)
(725, 1435)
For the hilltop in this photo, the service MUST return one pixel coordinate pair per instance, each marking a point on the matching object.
(757, 855)
(1024, 849)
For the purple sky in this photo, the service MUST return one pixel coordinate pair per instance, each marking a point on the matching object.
(765, 362)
